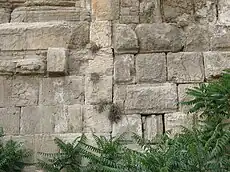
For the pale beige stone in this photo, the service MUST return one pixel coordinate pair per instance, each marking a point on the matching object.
(129, 124)
(224, 11)
(98, 89)
(31, 66)
(159, 37)
(7, 67)
(124, 39)
(185, 67)
(149, 99)
(42, 35)
(101, 33)
(215, 63)
(50, 2)
(149, 11)
(129, 11)
(4, 15)
(119, 96)
(175, 121)
(57, 60)
(96, 122)
(124, 69)
(25, 91)
(45, 13)
(151, 68)
(105, 9)
(9, 120)
(5, 91)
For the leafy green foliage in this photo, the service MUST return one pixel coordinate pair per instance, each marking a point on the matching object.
(12, 155)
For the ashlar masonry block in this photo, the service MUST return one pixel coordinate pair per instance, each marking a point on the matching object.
(151, 98)
(57, 60)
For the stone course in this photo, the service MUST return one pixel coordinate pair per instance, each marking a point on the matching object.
(60, 59)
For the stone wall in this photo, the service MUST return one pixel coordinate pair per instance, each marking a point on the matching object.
(59, 59)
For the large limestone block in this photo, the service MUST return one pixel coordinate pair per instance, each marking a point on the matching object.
(220, 39)
(129, 124)
(42, 35)
(67, 3)
(5, 91)
(98, 88)
(57, 60)
(45, 13)
(215, 63)
(124, 68)
(161, 37)
(10, 120)
(101, 33)
(124, 39)
(119, 96)
(151, 68)
(224, 11)
(105, 9)
(175, 121)
(25, 91)
(96, 122)
(4, 15)
(149, 99)
(7, 67)
(185, 67)
(197, 38)
(153, 126)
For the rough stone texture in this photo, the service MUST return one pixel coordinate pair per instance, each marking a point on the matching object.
(7, 67)
(153, 126)
(25, 91)
(182, 96)
(42, 35)
(161, 37)
(149, 11)
(151, 68)
(5, 91)
(45, 13)
(125, 39)
(224, 11)
(57, 60)
(9, 120)
(105, 9)
(96, 122)
(4, 15)
(215, 63)
(197, 38)
(120, 93)
(101, 33)
(97, 89)
(185, 67)
(129, 11)
(142, 98)
(129, 124)
(174, 121)
(31, 66)
(64, 3)
(124, 69)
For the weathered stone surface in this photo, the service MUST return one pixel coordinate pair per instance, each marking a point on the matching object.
(182, 89)
(25, 91)
(161, 37)
(224, 11)
(105, 9)
(174, 121)
(96, 122)
(215, 63)
(45, 13)
(129, 11)
(125, 39)
(29, 169)
(220, 39)
(185, 67)
(42, 35)
(149, 11)
(151, 68)
(98, 88)
(197, 38)
(51, 91)
(129, 124)
(75, 118)
(74, 91)
(31, 66)
(119, 96)
(101, 33)
(9, 120)
(67, 3)
(57, 60)
(153, 126)
(149, 99)
(102, 63)
(7, 67)
(5, 91)
(4, 15)
(124, 68)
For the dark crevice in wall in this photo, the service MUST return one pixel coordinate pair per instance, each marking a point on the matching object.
(143, 118)
(20, 116)
(217, 10)
(163, 123)
(177, 91)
